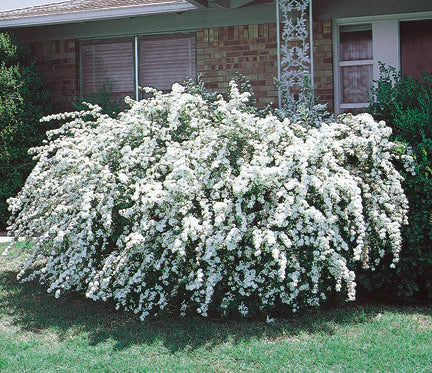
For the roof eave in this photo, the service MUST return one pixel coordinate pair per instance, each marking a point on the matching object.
(94, 15)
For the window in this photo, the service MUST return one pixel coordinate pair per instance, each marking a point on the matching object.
(105, 61)
(355, 66)
(155, 61)
(404, 42)
(165, 60)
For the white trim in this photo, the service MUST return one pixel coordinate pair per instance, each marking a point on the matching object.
(336, 77)
(386, 44)
(358, 105)
(355, 63)
(136, 67)
(355, 28)
(417, 16)
(77, 16)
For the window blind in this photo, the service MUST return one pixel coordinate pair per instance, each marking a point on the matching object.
(355, 45)
(164, 60)
(110, 61)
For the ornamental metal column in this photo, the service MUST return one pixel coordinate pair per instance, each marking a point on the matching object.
(295, 53)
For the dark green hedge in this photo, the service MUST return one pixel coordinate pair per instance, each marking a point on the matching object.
(406, 105)
(24, 99)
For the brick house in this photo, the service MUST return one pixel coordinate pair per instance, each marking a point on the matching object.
(80, 44)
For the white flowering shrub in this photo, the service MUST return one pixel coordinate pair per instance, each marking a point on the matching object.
(175, 207)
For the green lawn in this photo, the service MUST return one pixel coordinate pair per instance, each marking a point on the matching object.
(39, 333)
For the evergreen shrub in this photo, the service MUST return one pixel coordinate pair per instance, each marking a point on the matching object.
(405, 104)
(24, 99)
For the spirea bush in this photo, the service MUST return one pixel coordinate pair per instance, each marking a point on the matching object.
(173, 207)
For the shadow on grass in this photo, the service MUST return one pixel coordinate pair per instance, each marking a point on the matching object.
(33, 310)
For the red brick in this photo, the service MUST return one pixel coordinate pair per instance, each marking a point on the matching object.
(323, 62)
(249, 50)
(57, 62)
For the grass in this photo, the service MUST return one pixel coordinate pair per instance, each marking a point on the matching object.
(39, 333)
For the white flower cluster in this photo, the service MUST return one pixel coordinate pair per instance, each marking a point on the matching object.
(175, 207)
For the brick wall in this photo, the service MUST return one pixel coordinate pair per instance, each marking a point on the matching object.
(323, 62)
(57, 62)
(249, 50)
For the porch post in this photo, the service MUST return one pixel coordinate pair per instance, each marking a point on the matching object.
(311, 43)
(278, 39)
(297, 39)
